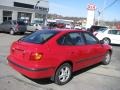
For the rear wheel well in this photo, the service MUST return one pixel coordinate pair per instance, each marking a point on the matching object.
(67, 61)
(11, 28)
(110, 52)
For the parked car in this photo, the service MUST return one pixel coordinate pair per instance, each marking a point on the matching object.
(33, 27)
(99, 30)
(77, 27)
(60, 25)
(57, 54)
(13, 27)
(68, 26)
(94, 28)
(109, 36)
(52, 25)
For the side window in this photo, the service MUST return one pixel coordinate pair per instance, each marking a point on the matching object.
(112, 32)
(65, 40)
(90, 39)
(73, 39)
(77, 38)
(118, 33)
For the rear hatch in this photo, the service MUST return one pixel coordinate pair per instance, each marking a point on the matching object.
(22, 50)
(21, 26)
(35, 42)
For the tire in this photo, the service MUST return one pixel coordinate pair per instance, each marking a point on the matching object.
(22, 33)
(63, 74)
(107, 58)
(12, 32)
(106, 40)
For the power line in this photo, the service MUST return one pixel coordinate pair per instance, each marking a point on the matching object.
(111, 4)
(99, 12)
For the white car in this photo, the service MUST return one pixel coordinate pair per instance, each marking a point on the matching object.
(109, 36)
(33, 27)
(68, 26)
(77, 27)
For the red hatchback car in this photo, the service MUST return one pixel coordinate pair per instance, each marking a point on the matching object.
(57, 54)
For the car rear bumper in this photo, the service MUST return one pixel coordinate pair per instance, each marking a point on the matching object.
(34, 73)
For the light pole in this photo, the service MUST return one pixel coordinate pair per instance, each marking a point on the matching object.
(37, 4)
(44, 17)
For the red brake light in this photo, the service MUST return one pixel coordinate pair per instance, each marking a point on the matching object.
(36, 56)
(96, 34)
(17, 26)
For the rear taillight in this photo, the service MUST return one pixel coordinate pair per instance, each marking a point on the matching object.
(36, 56)
(95, 34)
(12, 50)
(17, 26)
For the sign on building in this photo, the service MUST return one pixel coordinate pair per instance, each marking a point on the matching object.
(91, 15)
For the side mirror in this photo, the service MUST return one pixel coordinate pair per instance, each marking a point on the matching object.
(101, 42)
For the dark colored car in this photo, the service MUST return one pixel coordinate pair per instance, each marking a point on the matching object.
(57, 54)
(96, 28)
(13, 27)
(61, 25)
(52, 25)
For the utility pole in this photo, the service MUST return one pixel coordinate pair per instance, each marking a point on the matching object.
(100, 12)
(104, 8)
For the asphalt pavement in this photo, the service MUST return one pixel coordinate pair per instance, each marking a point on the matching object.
(97, 77)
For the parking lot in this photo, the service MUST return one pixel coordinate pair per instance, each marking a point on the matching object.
(98, 77)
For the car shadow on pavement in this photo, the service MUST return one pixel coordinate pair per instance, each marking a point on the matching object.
(117, 45)
(85, 69)
(48, 81)
(42, 81)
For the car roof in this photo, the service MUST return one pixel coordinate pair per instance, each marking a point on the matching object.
(95, 26)
(67, 30)
(64, 30)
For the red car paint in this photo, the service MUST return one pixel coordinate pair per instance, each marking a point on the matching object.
(54, 55)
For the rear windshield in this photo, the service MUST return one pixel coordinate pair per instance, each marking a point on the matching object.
(19, 23)
(101, 30)
(39, 37)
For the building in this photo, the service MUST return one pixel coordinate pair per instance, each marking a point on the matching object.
(91, 15)
(24, 9)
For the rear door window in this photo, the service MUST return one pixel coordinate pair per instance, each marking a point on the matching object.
(90, 39)
(20, 23)
(114, 32)
(73, 39)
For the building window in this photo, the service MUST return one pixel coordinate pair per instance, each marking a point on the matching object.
(24, 16)
(7, 15)
(23, 5)
(17, 4)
